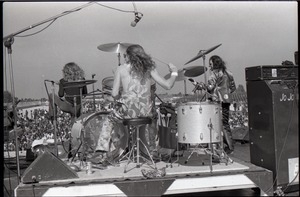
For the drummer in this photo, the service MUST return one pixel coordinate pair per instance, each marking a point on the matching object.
(135, 76)
(67, 95)
(221, 85)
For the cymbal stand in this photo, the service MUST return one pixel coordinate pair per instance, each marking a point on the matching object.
(205, 77)
(94, 100)
(54, 119)
(119, 59)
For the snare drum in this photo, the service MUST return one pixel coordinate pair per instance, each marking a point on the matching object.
(196, 120)
(101, 133)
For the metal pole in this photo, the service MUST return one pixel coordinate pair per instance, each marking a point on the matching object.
(8, 44)
(47, 20)
(54, 119)
(205, 79)
(94, 101)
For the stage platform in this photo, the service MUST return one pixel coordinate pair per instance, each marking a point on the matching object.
(197, 175)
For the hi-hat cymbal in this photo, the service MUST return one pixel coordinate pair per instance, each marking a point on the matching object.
(202, 53)
(114, 47)
(194, 71)
(180, 76)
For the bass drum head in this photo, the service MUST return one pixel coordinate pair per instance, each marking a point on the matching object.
(101, 133)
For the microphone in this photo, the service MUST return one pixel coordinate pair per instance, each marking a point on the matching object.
(137, 18)
(198, 86)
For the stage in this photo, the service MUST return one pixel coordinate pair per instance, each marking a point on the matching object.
(197, 175)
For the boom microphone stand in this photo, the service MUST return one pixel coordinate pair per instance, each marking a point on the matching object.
(8, 42)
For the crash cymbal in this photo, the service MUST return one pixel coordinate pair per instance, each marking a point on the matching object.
(114, 47)
(180, 76)
(201, 53)
(194, 71)
(80, 83)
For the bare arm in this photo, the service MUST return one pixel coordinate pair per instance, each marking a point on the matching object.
(165, 83)
(117, 82)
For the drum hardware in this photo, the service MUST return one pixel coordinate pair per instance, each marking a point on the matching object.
(199, 123)
(134, 124)
(94, 99)
(210, 145)
(80, 84)
(115, 48)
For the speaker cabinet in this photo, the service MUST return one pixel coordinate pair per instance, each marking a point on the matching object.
(47, 167)
(273, 127)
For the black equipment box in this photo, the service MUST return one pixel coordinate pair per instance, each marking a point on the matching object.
(271, 72)
(273, 121)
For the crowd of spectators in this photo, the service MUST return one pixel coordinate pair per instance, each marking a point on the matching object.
(36, 125)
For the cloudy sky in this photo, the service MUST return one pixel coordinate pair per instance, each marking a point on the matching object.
(251, 34)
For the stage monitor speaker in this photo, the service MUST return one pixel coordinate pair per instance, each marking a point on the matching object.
(47, 167)
(273, 127)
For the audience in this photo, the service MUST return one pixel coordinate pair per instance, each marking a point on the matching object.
(38, 125)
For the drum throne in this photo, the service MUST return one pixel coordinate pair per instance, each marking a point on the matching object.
(134, 125)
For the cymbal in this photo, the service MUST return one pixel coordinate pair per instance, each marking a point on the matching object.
(114, 47)
(80, 83)
(194, 71)
(180, 76)
(202, 53)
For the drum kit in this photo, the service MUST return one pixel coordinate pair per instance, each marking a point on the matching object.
(200, 122)
(197, 122)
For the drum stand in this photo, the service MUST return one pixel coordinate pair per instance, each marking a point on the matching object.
(211, 147)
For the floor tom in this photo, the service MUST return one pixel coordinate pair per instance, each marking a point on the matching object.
(196, 120)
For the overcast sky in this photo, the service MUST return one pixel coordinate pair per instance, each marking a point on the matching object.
(251, 34)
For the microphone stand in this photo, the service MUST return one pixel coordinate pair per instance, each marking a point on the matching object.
(8, 41)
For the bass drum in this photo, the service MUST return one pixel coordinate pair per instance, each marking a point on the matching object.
(101, 132)
(196, 120)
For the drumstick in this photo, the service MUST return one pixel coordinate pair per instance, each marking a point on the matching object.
(160, 61)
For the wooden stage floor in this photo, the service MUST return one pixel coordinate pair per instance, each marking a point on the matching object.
(197, 165)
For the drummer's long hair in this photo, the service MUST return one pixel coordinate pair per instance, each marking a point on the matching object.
(218, 63)
(72, 72)
(141, 63)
